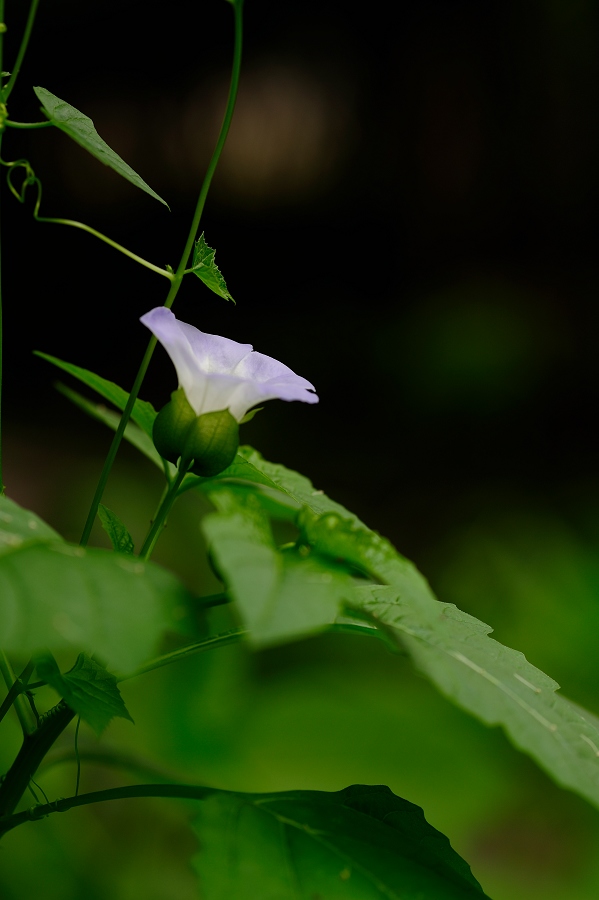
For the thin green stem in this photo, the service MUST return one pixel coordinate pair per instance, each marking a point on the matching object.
(3, 94)
(1, 334)
(224, 131)
(178, 275)
(173, 791)
(15, 689)
(114, 759)
(160, 519)
(46, 124)
(112, 452)
(216, 640)
(109, 241)
(22, 49)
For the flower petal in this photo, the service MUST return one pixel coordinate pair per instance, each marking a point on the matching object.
(218, 373)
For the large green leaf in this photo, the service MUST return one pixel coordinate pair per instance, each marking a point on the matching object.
(82, 130)
(88, 688)
(362, 843)
(296, 486)
(205, 268)
(491, 681)
(143, 413)
(280, 594)
(56, 595)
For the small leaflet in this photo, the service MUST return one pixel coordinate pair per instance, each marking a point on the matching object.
(119, 536)
(206, 269)
(81, 129)
(88, 688)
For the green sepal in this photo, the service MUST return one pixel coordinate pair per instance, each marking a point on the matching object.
(211, 441)
(171, 426)
(250, 415)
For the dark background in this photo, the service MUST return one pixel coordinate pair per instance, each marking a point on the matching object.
(406, 214)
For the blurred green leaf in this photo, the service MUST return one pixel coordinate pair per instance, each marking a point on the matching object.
(281, 595)
(491, 681)
(81, 129)
(119, 536)
(361, 843)
(56, 595)
(143, 413)
(19, 526)
(88, 688)
(204, 267)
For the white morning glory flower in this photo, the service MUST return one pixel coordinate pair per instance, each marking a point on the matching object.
(217, 373)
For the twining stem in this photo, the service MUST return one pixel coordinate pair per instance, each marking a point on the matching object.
(178, 275)
(14, 687)
(22, 49)
(163, 511)
(109, 241)
(174, 791)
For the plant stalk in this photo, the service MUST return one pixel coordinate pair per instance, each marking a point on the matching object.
(22, 49)
(161, 516)
(178, 275)
(34, 748)
(175, 791)
(23, 710)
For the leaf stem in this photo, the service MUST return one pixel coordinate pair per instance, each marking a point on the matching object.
(22, 49)
(46, 124)
(15, 689)
(216, 640)
(163, 511)
(178, 275)
(109, 241)
(173, 791)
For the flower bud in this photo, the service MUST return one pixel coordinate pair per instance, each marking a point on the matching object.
(171, 424)
(210, 440)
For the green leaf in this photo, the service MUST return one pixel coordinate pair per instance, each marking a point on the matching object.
(19, 526)
(362, 843)
(241, 471)
(119, 536)
(143, 413)
(281, 595)
(133, 434)
(88, 688)
(81, 129)
(204, 267)
(299, 488)
(492, 682)
(60, 596)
